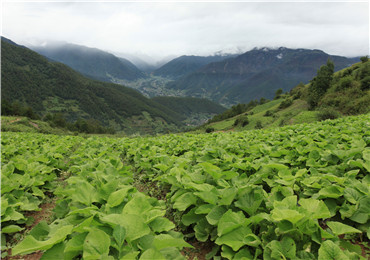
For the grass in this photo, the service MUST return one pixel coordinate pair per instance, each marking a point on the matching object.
(24, 124)
(297, 113)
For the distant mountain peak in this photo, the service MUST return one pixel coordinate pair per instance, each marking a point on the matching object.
(91, 62)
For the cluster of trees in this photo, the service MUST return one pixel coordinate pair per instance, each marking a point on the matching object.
(17, 109)
(30, 77)
(345, 92)
(89, 126)
(320, 84)
(237, 110)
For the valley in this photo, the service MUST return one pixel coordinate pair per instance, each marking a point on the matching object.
(151, 86)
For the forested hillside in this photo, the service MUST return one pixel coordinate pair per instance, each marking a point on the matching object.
(329, 95)
(184, 65)
(91, 62)
(52, 87)
(255, 74)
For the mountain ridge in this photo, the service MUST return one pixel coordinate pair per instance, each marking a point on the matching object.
(255, 74)
(187, 64)
(47, 86)
(91, 62)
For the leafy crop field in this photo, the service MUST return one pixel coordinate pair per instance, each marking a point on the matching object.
(296, 192)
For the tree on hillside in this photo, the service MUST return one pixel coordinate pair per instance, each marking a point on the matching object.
(320, 84)
(364, 59)
(278, 93)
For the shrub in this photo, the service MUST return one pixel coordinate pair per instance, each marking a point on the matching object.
(296, 92)
(365, 83)
(327, 113)
(345, 82)
(242, 121)
(263, 100)
(286, 103)
(268, 113)
(258, 125)
(364, 59)
(210, 130)
(278, 93)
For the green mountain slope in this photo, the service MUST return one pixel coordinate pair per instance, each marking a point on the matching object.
(53, 87)
(91, 62)
(255, 74)
(184, 65)
(348, 94)
(195, 111)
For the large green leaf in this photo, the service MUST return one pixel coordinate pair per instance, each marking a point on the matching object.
(74, 246)
(212, 170)
(215, 214)
(164, 240)
(30, 244)
(11, 229)
(362, 215)
(284, 249)
(56, 252)
(230, 221)
(208, 196)
(339, 228)
(191, 217)
(332, 191)
(161, 224)
(96, 244)
(184, 201)
(227, 196)
(118, 196)
(151, 254)
(316, 208)
(119, 234)
(235, 238)
(250, 200)
(202, 230)
(134, 224)
(138, 205)
(204, 209)
(85, 193)
(286, 214)
(331, 251)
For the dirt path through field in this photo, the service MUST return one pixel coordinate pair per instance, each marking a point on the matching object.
(15, 120)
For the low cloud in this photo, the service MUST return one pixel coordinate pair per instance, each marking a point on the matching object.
(161, 29)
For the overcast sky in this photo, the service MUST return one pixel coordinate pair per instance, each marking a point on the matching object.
(162, 28)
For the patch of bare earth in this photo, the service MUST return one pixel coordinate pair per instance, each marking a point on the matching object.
(200, 250)
(34, 125)
(15, 120)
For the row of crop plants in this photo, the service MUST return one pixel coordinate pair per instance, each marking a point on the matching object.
(98, 213)
(298, 192)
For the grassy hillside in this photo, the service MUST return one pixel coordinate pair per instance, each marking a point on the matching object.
(46, 86)
(25, 124)
(348, 94)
